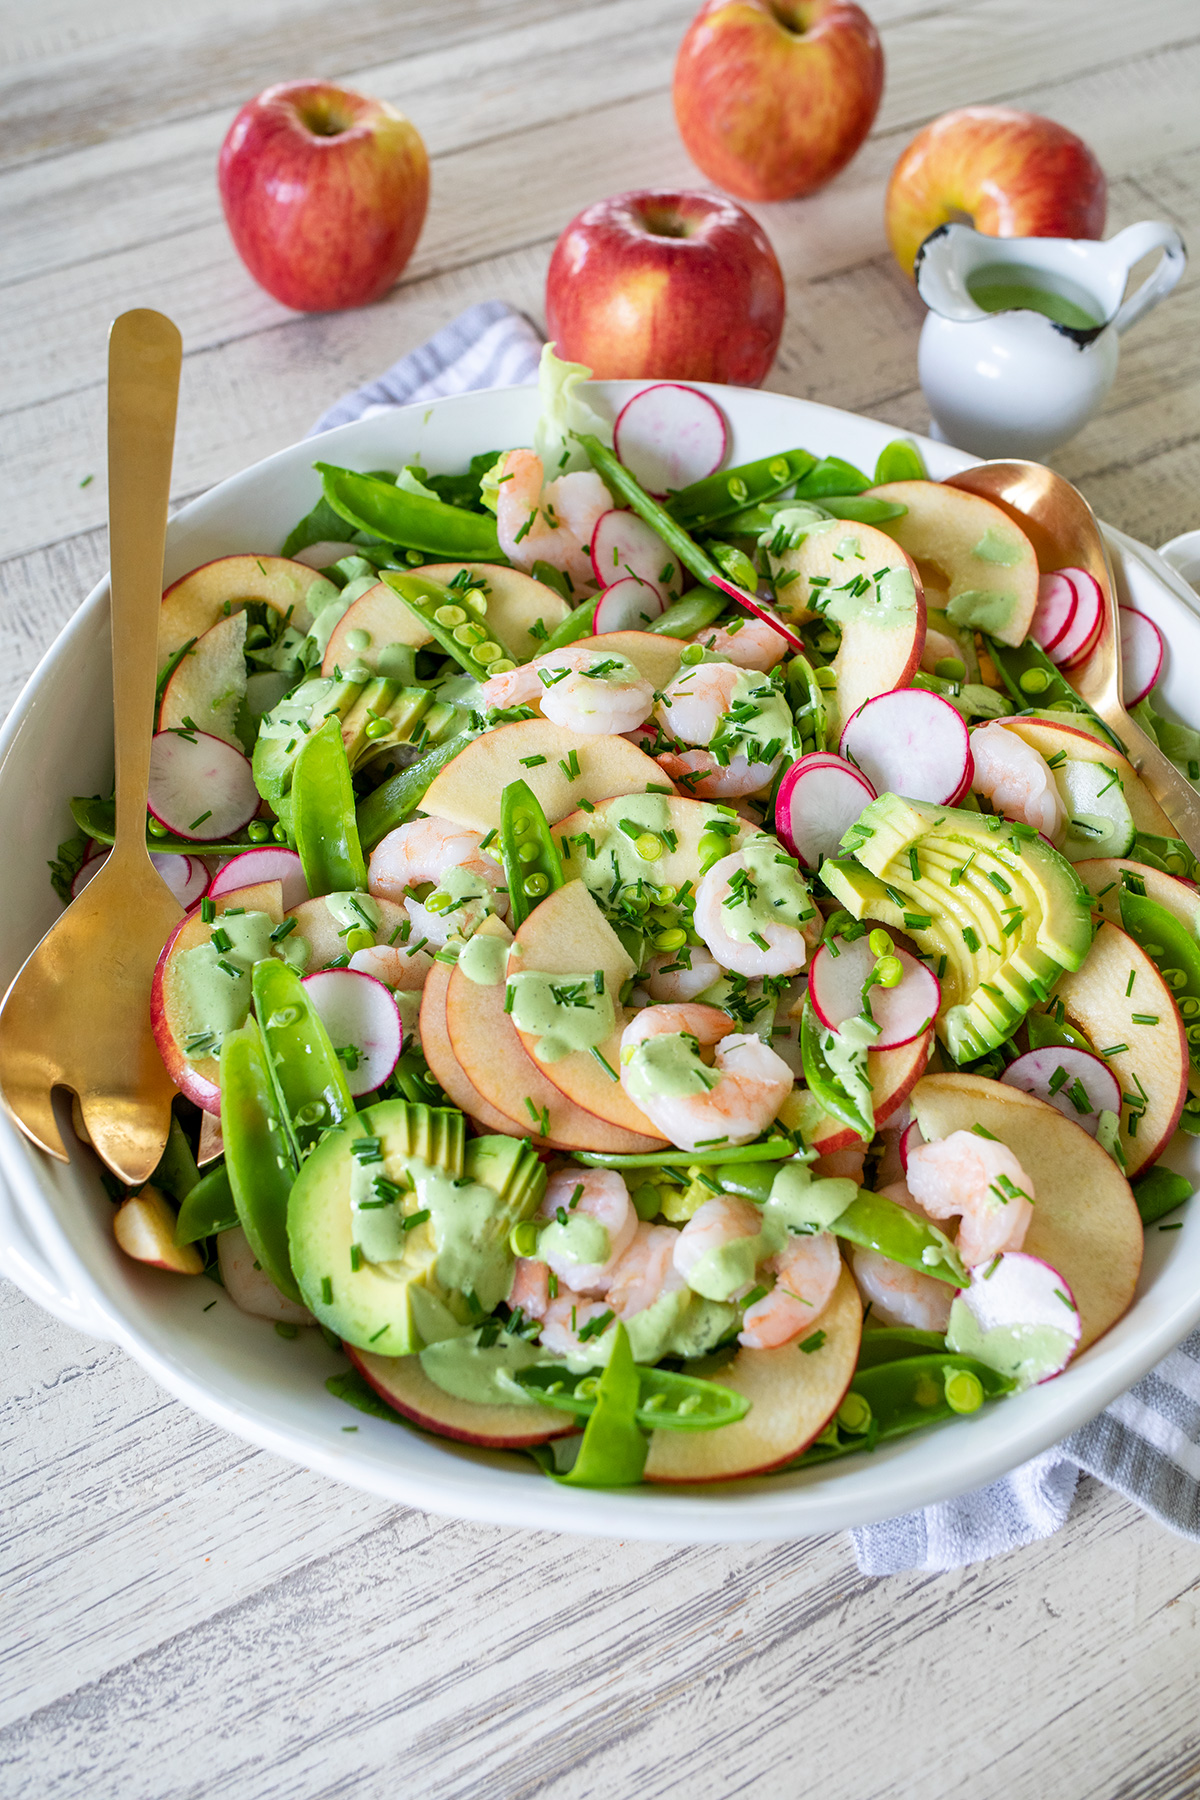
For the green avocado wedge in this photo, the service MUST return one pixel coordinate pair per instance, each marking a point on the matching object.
(997, 913)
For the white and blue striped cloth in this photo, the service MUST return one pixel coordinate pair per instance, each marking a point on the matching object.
(1146, 1445)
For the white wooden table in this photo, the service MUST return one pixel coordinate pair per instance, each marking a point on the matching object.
(183, 1616)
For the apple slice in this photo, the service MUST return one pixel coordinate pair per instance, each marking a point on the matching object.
(1085, 1222)
(793, 1394)
(381, 617)
(892, 1073)
(972, 550)
(197, 1079)
(655, 658)
(493, 1059)
(687, 821)
(872, 658)
(212, 1143)
(1050, 738)
(326, 552)
(1125, 1009)
(208, 685)
(468, 789)
(569, 935)
(403, 1383)
(144, 1227)
(199, 600)
(445, 1066)
(1101, 875)
(326, 939)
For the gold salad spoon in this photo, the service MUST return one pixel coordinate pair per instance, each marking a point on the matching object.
(1063, 530)
(77, 1014)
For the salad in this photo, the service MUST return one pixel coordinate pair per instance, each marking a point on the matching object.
(673, 978)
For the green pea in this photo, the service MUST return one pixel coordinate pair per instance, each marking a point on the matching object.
(889, 971)
(527, 851)
(693, 653)
(648, 847)
(258, 831)
(523, 1238)
(535, 886)
(880, 942)
(156, 828)
(279, 832)
(854, 1414)
(672, 939)
(377, 728)
(360, 939)
(964, 1391)
(1033, 681)
(951, 668)
(450, 615)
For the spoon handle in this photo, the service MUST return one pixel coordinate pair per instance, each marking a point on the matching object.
(144, 355)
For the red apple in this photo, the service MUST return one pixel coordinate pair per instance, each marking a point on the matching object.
(1013, 174)
(773, 97)
(674, 286)
(324, 193)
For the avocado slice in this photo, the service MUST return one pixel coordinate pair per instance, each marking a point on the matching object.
(997, 912)
(379, 1283)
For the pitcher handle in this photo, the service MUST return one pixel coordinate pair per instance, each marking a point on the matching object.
(1137, 241)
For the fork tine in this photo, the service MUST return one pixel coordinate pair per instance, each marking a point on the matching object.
(27, 1089)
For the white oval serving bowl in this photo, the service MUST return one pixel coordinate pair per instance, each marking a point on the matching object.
(56, 1238)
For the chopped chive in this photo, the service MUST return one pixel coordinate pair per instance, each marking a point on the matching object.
(1130, 982)
(415, 1219)
(327, 1290)
(604, 1064)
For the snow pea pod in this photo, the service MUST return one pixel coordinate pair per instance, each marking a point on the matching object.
(894, 1343)
(704, 503)
(96, 818)
(612, 1452)
(831, 476)
(308, 1079)
(554, 578)
(1175, 954)
(530, 855)
(177, 1173)
(685, 617)
(398, 517)
(734, 564)
(323, 817)
(874, 1222)
(397, 799)
(209, 1207)
(774, 1150)
(893, 1399)
(618, 480)
(1169, 855)
(455, 621)
(806, 697)
(666, 1401)
(576, 625)
(864, 508)
(832, 1093)
(1033, 681)
(259, 1155)
(1160, 1192)
(900, 461)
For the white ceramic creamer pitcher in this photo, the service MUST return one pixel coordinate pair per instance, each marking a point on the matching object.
(1020, 345)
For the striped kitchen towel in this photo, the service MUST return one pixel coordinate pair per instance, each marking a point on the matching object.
(1147, 1443)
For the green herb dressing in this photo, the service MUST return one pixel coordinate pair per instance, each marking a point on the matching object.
(358, 640)
(482, 959)
(352, 911)
(772, 722)
(458, 891)
(582, 1241)
(997, 547)
(1007, 287)
(1025, 1353)
(462, 1366)
(666, 1067)
(983, 609)
(845, 1052)
(775, 893)
(542, 1007)
(211, 999)
(458, 1243)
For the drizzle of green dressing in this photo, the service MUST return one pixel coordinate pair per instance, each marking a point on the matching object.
(775, 893)
(358, 640)
(564, 1012)
(214, 985)
(457, 892)
(983, 609)
(482, 959)
(582, 1240)
(484, 1375)
(458, 1241)
(885, 598)
(997, 547)
(666, 1067)
(772, 722)
(352, 911)
(1025, 1353)
(845, 1052)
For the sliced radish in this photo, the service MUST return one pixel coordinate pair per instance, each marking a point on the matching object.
(1142, 654)
(200, 787)
(819, 799)
(186, 876)
(835, 987)
(628, 605)
(912, 743)
(624, 545)
(1018, 1316)
(272, 863)
(360, 1015)
(1052, 1074)
(1083, 633)
(1055, 610)
(753, 605)
(910, 1137)
(669, 435)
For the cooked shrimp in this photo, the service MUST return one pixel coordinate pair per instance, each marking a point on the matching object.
(899, 1295)
(718, 907)
(448, 855)
(980, 1181)
(714, 1226)
(1016, 778)
(645, 1271)
(562, 683)
(699, 774)
(551, 524)
(598, 1194)
(669, 979)
(695, 708)
(748, 642)
(392, 964)
(529, 1292)
(734, 1100)
(565, 1318)
(806, 1272)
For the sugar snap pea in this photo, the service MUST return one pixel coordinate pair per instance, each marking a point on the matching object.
(397, 799)
(1033, 681)
(1159, 1192)
(894, 1343)
(865, 509)
(554, 578)
(307, 1077)
(829, 1089)
(398, 517)
(831, 476)
(1175, 954)
(260, 1156)
(704, 503)
(208, 1208)
(685, 617)
(612, 1452)
(1170, 855)
(666, 1401)
(530, 855)
(900, 461)
(734, 564)
(176, 1173)
(323, 817)
(874, 1222)
(576, 625)
(892, 1399)
(454, 618)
